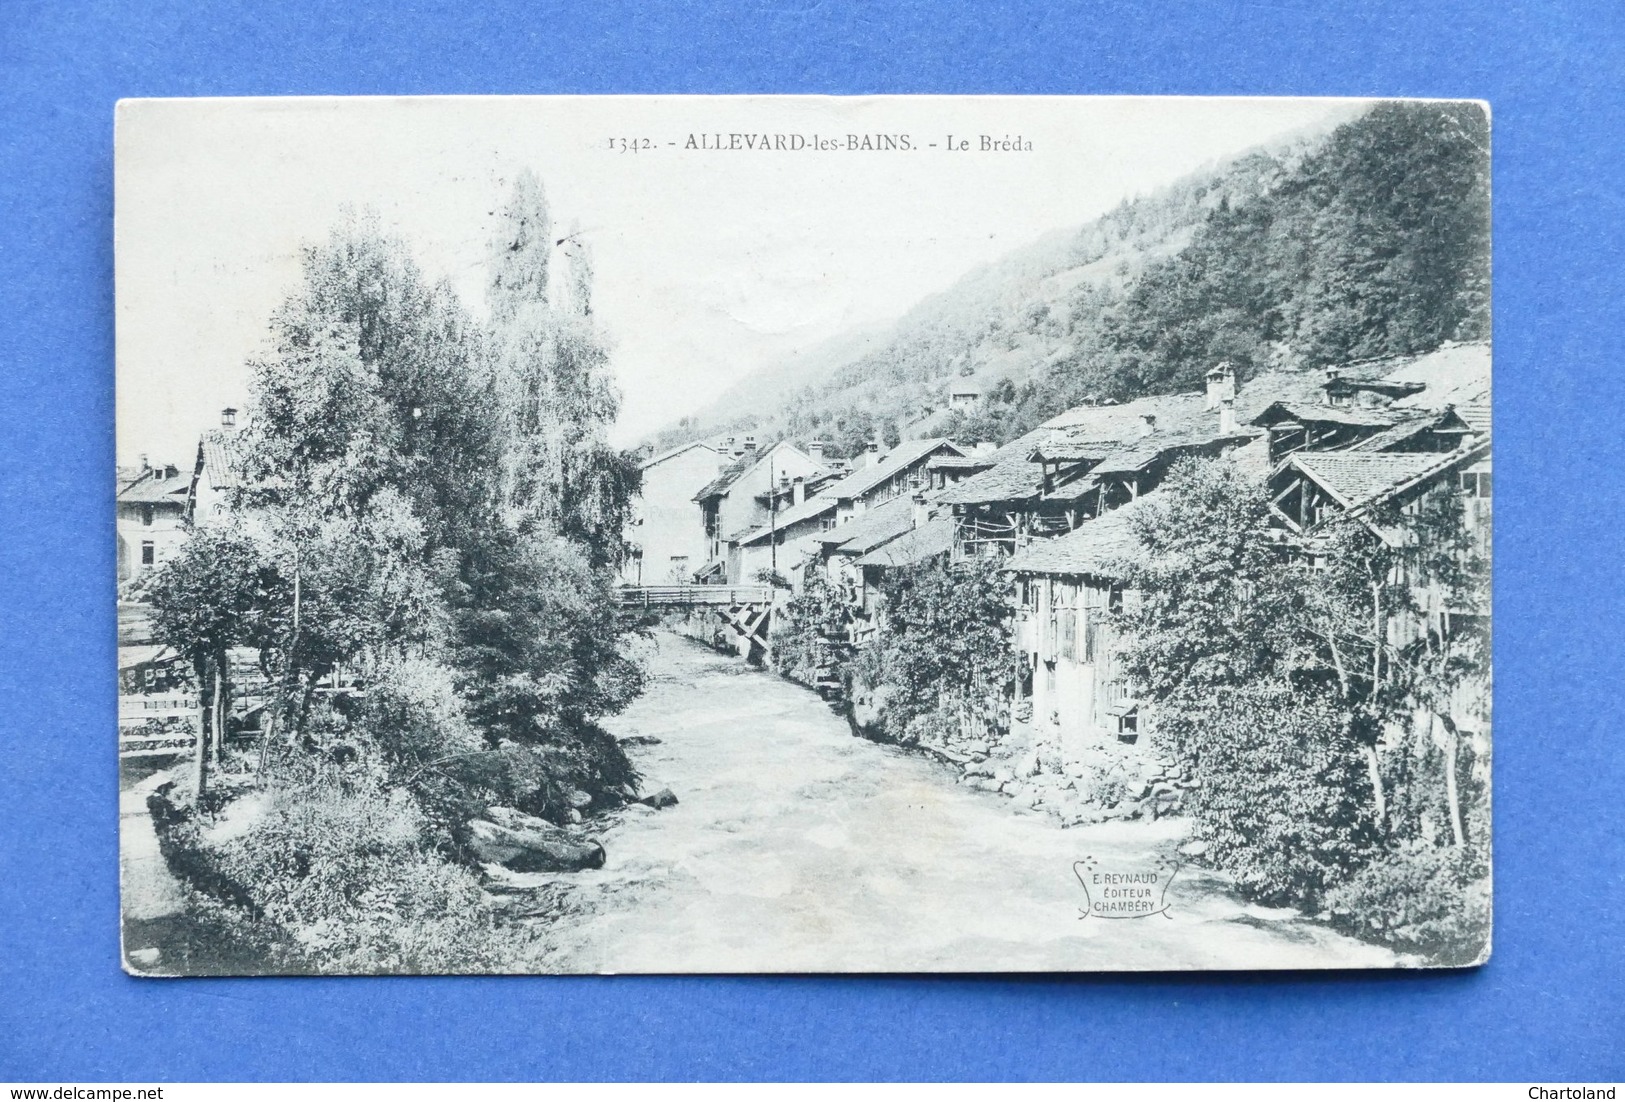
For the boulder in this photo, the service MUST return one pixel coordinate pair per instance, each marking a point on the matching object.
(976, 746)
(1027, 765)
(525, 843)
(664, 798)
(1196, 847)
(579, 798)
(1003, 774)
(639, 740)
(144, 958)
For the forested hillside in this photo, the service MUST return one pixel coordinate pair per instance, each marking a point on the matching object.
(1372, 240)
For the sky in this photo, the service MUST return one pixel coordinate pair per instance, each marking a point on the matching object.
(710, 263)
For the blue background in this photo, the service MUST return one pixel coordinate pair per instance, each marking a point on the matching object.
(1548, 1006)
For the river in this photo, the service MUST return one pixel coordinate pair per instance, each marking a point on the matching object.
(798, 847)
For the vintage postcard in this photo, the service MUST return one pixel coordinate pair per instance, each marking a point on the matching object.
(803, 534)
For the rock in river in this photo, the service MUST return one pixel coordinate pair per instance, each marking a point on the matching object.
(525, 843)
(664, 798)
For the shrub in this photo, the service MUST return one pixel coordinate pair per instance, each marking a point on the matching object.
(810, 636)
(1429, 899)
(1282, 802)
(351, 874)
(945, 651)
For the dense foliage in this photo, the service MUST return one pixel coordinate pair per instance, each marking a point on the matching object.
(943, 666)
(1322, 706)
(431, 504)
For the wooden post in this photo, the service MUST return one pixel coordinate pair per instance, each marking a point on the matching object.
(1452, 796)
(200, 756)
(217, 733)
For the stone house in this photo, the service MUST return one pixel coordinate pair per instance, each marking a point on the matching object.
(666, 533)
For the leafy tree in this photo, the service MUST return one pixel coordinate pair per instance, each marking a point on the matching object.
(212, 596)
(552, 379)
(945, 649)
(1294, 693)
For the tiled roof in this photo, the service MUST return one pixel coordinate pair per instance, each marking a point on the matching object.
(1012, 479)
(934, 537)
(879, 525)
(672, 453)
(735, 470)
(153, 491)
(221, 459)
(1137, 455)
(1067, 449)
(959, 462)
(1444, 421)
(864, 479)
(1454, 374)
(728, 476)
(807, 510)
(1476, 414)
(1094, 547)
(1017, 477)
(1393, 388)
(1359, 478)
(1323, 415)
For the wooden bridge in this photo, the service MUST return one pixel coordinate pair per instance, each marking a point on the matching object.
(694, 596)
(743, 611)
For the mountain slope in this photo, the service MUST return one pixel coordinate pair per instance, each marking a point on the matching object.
(1370, 240)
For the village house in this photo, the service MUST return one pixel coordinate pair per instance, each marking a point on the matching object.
(216, 473)
(791, 539)
(1066, 646)
(1090, 460)
(150, 521)
(946, 470)
(666, 534)
(964, 395)
(732, 502)
(1429, 436)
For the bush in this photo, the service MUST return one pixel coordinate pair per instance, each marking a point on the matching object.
(1282, 800)
(351, 874)
(810, 637)
(1434, 900)
(945, 652)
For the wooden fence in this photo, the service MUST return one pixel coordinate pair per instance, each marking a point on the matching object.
(138, 737)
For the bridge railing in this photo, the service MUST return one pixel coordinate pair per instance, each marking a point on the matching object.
(689, 596)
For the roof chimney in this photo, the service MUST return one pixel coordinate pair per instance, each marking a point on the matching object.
(1227, 416)
(922, 511)
(815, 451)
(1148, 424)
(145, 466)
(750, 443)
(798, 490)
(1221, 384)
(228, 417)
(871, 454)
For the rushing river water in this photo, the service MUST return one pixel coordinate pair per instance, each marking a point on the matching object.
(797, 847)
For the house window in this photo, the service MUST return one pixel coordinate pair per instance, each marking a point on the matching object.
(1475, 484)
(146, 516)
(148, 553)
